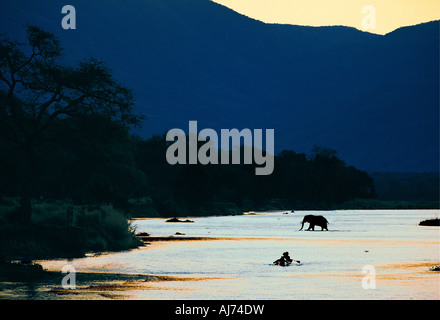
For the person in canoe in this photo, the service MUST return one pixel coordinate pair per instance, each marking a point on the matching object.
(285, 260)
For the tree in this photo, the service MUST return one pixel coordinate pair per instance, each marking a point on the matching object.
(36, 90)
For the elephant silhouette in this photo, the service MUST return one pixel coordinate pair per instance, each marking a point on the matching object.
(314, 221)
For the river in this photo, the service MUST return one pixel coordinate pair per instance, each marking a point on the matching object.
(366, 254)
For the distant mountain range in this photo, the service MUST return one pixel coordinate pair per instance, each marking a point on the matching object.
(374, 99)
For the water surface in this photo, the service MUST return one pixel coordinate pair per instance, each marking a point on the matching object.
(239, 266)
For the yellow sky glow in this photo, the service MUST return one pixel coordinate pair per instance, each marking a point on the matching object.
(389, 14)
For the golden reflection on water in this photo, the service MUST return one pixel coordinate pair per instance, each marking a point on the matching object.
(126, 289)
(225, 267)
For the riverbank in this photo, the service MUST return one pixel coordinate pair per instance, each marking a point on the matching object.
(374, 204)
(355, 204)
(147, 207)
(61, 230)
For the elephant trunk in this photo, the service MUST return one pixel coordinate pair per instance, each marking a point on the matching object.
(302, 225)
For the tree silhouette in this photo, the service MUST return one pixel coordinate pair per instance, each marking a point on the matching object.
(36, 90)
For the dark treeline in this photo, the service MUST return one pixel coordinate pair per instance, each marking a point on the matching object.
(94, 160)
(407, 186)
(318, 181)
(65, 135)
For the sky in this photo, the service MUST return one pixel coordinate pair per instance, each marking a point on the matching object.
(375, 16)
